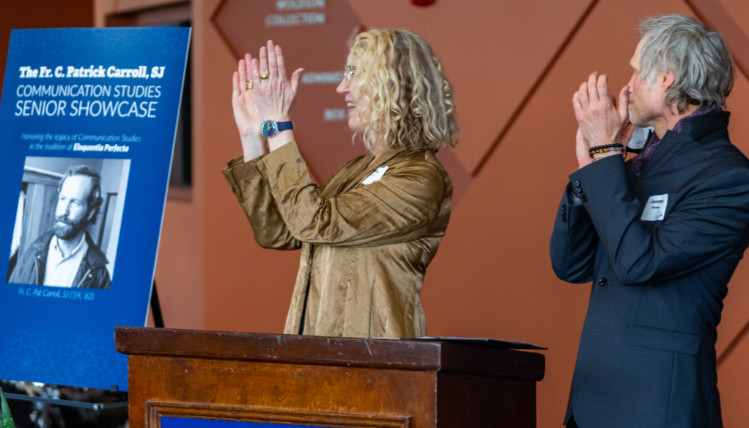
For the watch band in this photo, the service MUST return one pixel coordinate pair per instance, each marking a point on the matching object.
(271, 128)
(285, 126)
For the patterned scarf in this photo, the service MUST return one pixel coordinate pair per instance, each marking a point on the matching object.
(639, 161)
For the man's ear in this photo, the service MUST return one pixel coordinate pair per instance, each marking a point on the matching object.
(90, 215)
(666, 79)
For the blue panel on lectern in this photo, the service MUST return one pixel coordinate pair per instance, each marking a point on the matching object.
(213, 423)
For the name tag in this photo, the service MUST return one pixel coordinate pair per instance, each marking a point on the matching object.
(375, 176)
(655, 208)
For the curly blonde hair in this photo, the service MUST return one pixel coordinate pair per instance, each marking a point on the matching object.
(405, 98)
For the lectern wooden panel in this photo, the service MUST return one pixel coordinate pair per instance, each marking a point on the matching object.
(326, 381)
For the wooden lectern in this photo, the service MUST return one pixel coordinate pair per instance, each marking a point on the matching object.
(327, 381)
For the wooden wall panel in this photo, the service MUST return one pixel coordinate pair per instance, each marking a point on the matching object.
(40, 14)
(515, 67)
(494, 56)
(733, 333)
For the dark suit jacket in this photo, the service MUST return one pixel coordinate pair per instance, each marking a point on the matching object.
(660, 251)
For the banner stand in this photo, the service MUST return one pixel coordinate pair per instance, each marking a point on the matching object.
(47, 410)
(97, 407)
(158, 319)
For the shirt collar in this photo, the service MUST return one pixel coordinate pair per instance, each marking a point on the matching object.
(81, 245)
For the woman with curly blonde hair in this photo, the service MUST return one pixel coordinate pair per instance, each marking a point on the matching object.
(369, 233)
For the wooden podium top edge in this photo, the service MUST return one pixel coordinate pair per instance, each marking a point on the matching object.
(400, 354)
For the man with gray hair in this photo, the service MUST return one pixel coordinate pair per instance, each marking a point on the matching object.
(67, 256)
(658, 235)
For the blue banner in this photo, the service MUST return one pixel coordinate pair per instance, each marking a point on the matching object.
(87, 124)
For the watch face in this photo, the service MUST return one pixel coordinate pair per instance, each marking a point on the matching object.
(268, 128)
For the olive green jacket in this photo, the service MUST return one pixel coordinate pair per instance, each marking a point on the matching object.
(366, 236)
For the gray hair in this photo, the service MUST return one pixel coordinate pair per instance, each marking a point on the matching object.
(702, 66)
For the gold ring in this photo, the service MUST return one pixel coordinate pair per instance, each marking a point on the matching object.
(264, 76)
(250, 84)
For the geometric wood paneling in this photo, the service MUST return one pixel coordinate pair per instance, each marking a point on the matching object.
(735, 327)
(514, 66)
(504, 79)
(485, 49)
(729, 17)
(715, 15)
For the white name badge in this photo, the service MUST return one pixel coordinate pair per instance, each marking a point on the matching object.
(655, 208)
(375, 176)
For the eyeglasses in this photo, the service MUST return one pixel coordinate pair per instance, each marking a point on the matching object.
(349, 71)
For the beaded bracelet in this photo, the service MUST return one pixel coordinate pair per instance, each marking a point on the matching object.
(605, 149)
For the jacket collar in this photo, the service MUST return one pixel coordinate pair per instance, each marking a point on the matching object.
(94, 257)
(705, 128)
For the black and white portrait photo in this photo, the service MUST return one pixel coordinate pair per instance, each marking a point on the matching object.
(68, 222)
